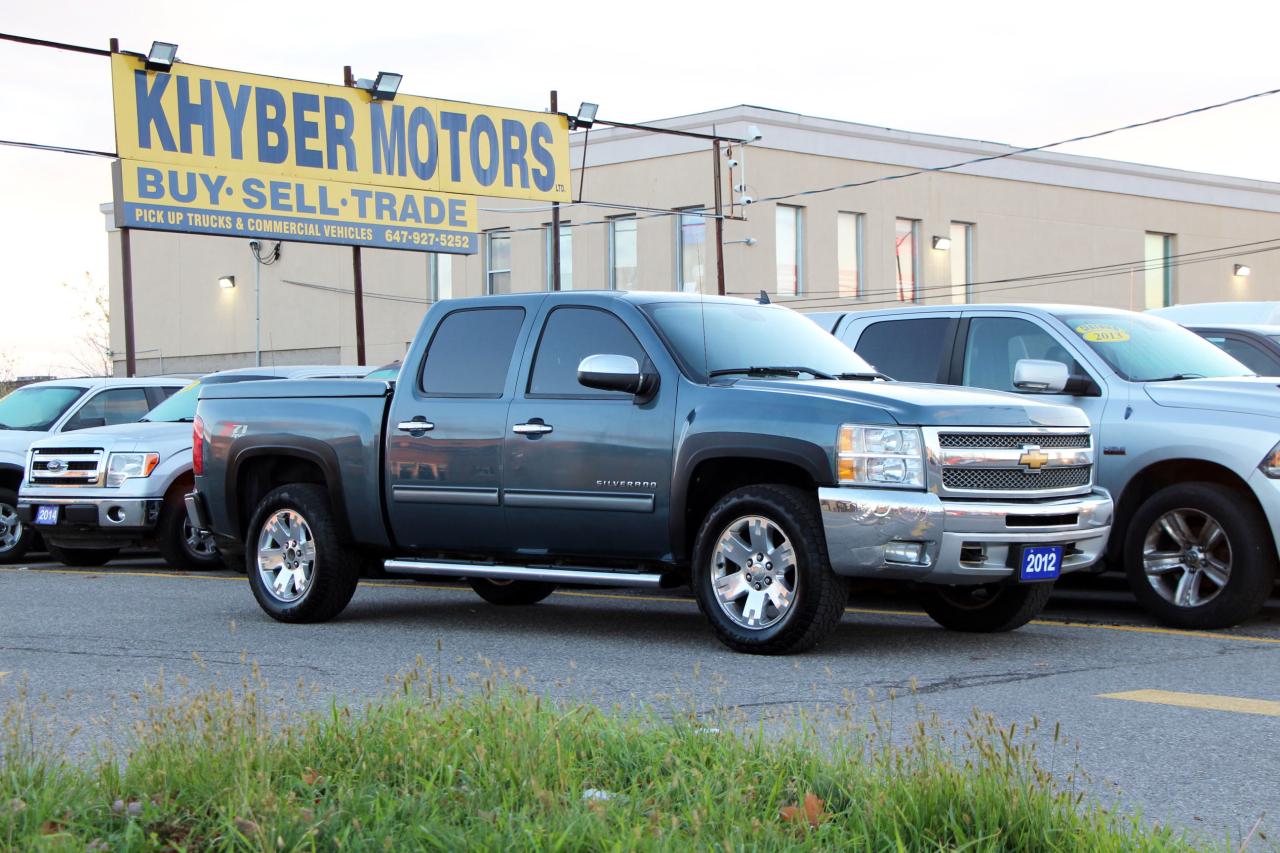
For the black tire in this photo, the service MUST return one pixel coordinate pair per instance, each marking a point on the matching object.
(511, 593)
(984, 609)
(82, 556)
(172, 540)
(13, 549)
(1251, 554)
(819, 595)
(334, 567)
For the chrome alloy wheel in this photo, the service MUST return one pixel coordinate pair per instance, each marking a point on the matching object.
(1187, 557)
(286, 555)
(753, 572)
(10, 527)
(199, 543)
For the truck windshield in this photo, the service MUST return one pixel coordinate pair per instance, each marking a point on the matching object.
(37, 408)
(179, 408)
(741, 336)
(1149, 349)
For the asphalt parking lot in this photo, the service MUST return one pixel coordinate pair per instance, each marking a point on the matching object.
(1182, 726)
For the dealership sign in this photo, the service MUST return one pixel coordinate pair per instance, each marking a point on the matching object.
(210, 151)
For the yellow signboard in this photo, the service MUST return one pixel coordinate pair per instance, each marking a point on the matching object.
(267, 147)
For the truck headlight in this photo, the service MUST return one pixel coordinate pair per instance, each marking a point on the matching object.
(880, 456)
(129, 466)
(1270, 464)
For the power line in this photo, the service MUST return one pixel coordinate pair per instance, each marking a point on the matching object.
(390, 297)
(857, 303)
(1016, 151)
(62, 149)
(1120, 266)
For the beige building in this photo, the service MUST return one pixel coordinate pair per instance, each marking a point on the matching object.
(1037, 227)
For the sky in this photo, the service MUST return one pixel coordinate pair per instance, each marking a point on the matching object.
(1019, 73)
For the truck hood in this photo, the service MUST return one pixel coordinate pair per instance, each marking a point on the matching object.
(160, 437)
(935, 405)
(14, 444)
(1249, 395)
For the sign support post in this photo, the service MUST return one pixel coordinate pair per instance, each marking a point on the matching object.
(555, 216)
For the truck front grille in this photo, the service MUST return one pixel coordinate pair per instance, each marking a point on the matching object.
(1009, 479)
(1014, 463)
(1010, 439)
(69, 466)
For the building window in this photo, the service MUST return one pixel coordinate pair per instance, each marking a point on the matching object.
(440, 276)
(623, 258)
(1158, 274)
(691, 251)
(497, 260)
(961, 262)
(566, 258)
(906, 243)
(849, 254)
(789, 239)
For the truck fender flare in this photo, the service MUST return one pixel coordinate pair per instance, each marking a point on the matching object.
(299, 447)
(695, 450)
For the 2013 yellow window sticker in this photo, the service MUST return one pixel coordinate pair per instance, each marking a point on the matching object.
(1102, 333)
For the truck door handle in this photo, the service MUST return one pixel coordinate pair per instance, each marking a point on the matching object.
(415, 426)
(531, 428)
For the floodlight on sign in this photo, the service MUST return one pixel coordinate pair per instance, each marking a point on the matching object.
(161, 56)
(383, 87)
(586, 115)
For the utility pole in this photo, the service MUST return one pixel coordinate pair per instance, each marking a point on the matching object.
(715, 154)
(126, 282)
(357, 273)
(555, 215)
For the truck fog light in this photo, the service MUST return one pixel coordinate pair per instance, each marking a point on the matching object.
(116, 514)
(905, 552)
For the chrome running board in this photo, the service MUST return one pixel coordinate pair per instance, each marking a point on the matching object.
(546, 574)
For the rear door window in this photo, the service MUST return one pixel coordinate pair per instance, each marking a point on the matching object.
(1251, 356)
(470, 353)
(917, 350)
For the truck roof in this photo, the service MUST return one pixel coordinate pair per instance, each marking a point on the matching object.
(639, 297)
(108, 381)
(1043, 308)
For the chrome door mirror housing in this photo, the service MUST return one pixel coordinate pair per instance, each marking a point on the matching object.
(611, 372)
(1040, 377)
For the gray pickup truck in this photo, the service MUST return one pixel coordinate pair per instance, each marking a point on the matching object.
(649, 440)
(1188, 434)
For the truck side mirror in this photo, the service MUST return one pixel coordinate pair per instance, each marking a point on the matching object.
(1040, 377)
(608, 372)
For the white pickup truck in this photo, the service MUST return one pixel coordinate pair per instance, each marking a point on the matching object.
(1188, 435)
(61, 407)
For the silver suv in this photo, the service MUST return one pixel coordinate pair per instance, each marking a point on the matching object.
(59, 407)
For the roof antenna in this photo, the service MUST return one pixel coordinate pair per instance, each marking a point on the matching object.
(763, 298)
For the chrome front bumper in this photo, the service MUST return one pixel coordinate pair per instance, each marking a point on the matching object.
(131, 514)
(965, 542)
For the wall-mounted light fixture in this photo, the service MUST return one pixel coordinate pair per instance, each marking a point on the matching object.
(1243, 269)
(383, 87)
(161, 56)
(226, 282)
(942, 244)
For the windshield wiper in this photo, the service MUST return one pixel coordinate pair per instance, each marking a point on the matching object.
(865, 374)
(780, 370)
(1177, 377)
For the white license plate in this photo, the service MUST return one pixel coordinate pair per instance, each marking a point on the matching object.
(46, 515)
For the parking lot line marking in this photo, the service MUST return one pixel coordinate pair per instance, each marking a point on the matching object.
(666, 599)
(1206, 701)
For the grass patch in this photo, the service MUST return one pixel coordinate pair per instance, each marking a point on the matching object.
(501, 768)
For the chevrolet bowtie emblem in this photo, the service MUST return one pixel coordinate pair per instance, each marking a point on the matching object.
(1033, 457)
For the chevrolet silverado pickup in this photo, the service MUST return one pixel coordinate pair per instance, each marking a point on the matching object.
(648, 439)
(1188, 435)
